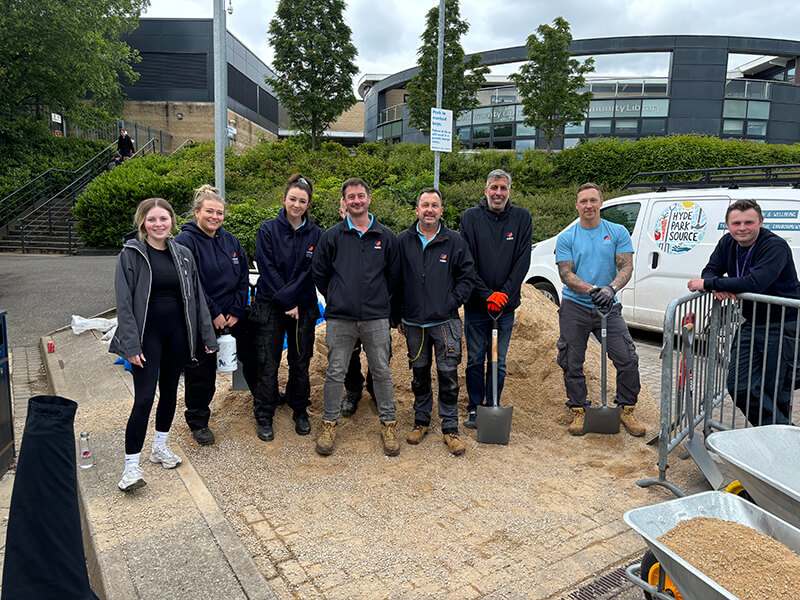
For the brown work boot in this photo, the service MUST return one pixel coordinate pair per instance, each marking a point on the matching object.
(417, 433)
(633, 426)
(326, 438)
(578, 418)
(454, 443)
(391, 445)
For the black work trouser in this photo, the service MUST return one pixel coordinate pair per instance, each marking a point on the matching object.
(44, 548)
(200, 378)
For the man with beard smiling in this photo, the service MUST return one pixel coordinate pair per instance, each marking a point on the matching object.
(498, 235)
(437, 278)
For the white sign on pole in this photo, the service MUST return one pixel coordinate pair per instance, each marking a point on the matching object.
(55, 117)
(441, 130)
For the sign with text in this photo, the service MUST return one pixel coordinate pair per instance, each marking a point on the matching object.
(55, 117)
(441, 130)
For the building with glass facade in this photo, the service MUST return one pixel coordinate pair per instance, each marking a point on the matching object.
(760, 101)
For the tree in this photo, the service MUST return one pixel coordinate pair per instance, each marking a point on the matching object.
(461, 78)
(54, 55)
(548, 83)
(314, 63)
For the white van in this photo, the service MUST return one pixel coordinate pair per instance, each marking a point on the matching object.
(673, 234)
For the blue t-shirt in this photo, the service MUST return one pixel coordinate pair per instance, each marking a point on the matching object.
(594, 252)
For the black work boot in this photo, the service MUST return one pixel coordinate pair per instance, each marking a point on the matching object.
(350, 403)
(301, 424)
(264, 431)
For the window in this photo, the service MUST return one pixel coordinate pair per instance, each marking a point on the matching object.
(397, 129)
(734, 109)
(571, 142)
(758, 128)
(655, 88)
(578, 129)
(503, 113)
(655, 108)
(628, 108)
(757, 89)
(758, 110)
(523, 129)
(622, 214)
(626, 126)
(525, 144)
(732, 127)
(601, 108)
(481, 115)
(505, 130)
(465, 119)
(503, 144)
(481, 131)
(599, 126)
(604, 89)
(654, 126)
(463, 133)
(734, 88)
(483, 145)
(629, 88)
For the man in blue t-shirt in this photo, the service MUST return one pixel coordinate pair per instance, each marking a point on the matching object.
(595, 260)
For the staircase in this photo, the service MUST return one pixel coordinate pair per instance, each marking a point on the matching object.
(56, 235)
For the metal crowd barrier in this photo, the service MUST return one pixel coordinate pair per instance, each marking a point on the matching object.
(702, 337)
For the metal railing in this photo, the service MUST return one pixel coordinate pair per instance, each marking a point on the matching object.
(725, 365)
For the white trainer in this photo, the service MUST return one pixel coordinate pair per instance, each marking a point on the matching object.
(162, 454)
(131, 479)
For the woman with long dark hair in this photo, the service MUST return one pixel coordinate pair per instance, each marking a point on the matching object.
(286, 306)
(161, 315)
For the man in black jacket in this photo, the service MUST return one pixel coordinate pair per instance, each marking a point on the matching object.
(499, 237)
(355, 266)
(437, 277)
(753, 259)
(124, 145)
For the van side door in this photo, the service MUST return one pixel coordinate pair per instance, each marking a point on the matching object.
(630, 216)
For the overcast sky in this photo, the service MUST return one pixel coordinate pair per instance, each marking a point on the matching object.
(386, 32)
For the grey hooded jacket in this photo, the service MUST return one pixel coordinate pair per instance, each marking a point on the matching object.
(132, 287)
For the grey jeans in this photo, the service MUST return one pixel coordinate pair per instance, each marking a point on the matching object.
(376, 338)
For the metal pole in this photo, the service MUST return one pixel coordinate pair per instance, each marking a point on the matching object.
(220, 95)
(439, 77)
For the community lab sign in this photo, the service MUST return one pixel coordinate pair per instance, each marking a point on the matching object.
(680, 227)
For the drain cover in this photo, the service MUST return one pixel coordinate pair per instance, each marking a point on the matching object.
(605, 587)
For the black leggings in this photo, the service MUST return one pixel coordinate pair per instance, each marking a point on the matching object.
(166, 350)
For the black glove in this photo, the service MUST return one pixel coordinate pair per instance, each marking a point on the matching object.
(603, 297)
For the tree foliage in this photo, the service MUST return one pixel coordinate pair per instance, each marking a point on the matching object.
(55, 54)
(550, 81)
(461, 79)
(314, 63)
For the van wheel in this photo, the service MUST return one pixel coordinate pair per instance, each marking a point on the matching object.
(548, 291)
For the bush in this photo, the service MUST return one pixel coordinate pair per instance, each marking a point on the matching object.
(243, 221)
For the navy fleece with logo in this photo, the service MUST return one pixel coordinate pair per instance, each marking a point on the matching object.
(222, 266)
(356, 273)
(284, 256)
(500, 244)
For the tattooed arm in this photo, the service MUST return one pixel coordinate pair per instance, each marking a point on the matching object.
(566, 271)
(624, 264)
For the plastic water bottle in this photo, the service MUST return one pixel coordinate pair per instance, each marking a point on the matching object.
(226, 355)
(87, 460)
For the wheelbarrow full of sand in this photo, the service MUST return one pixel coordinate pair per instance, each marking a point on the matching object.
(687, 581)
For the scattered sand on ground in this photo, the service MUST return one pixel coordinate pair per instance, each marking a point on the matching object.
(506, 521)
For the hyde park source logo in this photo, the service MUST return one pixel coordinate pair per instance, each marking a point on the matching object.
(680, 227)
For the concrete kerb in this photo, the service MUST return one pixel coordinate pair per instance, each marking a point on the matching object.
(110, 571)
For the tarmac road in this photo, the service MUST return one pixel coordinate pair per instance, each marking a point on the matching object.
(41, 292)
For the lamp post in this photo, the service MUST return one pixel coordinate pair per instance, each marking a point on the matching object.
(439, 84)
(220, 94)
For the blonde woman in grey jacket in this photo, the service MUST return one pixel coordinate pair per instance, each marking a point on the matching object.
(162, 319)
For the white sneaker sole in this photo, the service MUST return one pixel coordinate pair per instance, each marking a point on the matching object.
(139, 483)
(166, 465)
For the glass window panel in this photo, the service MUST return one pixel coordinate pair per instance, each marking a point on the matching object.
(504, 97)
(734, 109)
(520, 116)
(654, 126)
(622, 214)
(758, 110)
(597, 126)
(628, 108)
(380, 133)
(465, 119)
(578, 129)
(758, 128)
(732, 127)
(626, 125)
(655, 88)
(790, 75)
(734, 88)
(502, 144)
(397, 129)
(655, 108)
(505, 130)
(629, 88)
(757, 89)
(523, 129)
(525, 144)
(481, 115)
(604, 89)
(480, 145)
(601, 108)
(481, 131)
(463, 133)
(503, 113)
(571, 142)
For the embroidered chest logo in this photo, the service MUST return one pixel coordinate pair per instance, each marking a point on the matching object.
(310, 252)
(510, 236)
(443, 258)
(378, 245)
(606, 240)
(235, 258)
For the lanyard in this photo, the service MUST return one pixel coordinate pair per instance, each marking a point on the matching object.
(741, 272)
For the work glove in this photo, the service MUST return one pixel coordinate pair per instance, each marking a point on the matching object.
(603, 296)
(496, 301)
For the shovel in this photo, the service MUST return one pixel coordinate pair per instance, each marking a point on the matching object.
(494, 422)
(603, 419)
